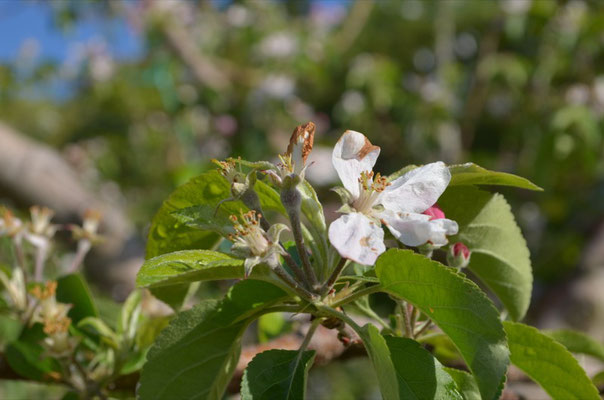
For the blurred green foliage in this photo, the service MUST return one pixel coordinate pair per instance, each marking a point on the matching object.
(514, 86)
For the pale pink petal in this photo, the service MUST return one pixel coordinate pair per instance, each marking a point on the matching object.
(417, 190)
(353, 154)
(357, 238)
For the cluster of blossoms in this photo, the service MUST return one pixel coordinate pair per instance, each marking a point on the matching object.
(406, 205)
(39, 304)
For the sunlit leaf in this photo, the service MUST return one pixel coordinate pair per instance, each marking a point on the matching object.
(548, 363)
(457, 306)
(500, 257)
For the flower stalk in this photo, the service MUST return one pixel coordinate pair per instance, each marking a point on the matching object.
(291, 199)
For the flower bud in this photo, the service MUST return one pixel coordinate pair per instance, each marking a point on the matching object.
(435, 212)
(458, 256)
(300, 146)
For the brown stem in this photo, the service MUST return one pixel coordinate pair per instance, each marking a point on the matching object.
(287, 279)
(334, 276)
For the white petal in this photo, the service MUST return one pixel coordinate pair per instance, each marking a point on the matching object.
(357, 238)
(274, 232)
(418, 189)
(353, 154)
(440, 229)
(409, 228)
(417, 229)
(249, 264)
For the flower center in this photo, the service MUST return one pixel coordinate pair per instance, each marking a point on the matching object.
(229, 170)
(248, 231)
(370, 187)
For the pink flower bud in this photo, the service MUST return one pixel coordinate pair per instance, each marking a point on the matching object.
(435, 212)
(459, 255)
(461, 249)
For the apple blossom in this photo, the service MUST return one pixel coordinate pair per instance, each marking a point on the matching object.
(255, 244)
(371, 200)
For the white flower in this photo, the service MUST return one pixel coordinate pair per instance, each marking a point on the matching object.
(15, 287)
(253, 243)
(11, 226)
(373, 201)
(40, 230)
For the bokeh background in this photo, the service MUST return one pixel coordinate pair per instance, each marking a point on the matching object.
(112, 104)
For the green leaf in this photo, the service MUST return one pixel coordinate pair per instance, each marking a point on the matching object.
(500, 257)
(456, 305)
(169, 275)
(472, 174)
(269, 198)
(207, 218)
(598, 379)
(578, 342)
(26, 360)
(167, 234)
(25, 356)
(172, 295)
(73, 289)
(420, 375)
(270, 326)
(197, 354)
(188, 266)
(466, 384)
(548, 363)
(277, 374)
(10, 328)
(378, 352)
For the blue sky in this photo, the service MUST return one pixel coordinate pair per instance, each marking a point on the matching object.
(21, 20)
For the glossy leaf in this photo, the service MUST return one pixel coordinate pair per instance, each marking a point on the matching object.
(378, 352)
(420, 375)
(472, 174)
(548, 363)
(196, 355)
(500, 257)
(578, 342)
(277, 374)
(456, 305)
(167, 234)
(188, 266)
